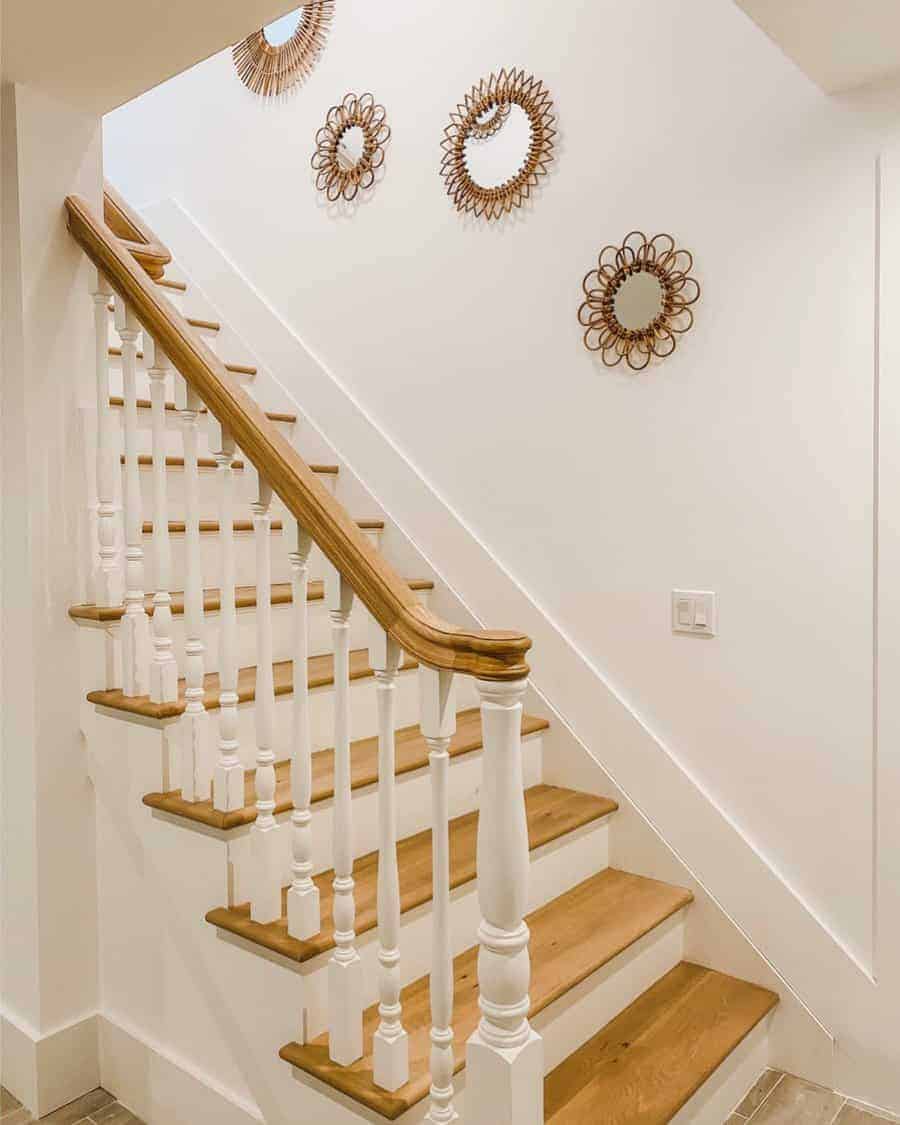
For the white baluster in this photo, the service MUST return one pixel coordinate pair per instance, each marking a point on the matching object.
(108, 574)
(344, 969)
(135, 622)
(391, 1042)
(304, 917)
(228, 779)
(504, 1055)
(265, 896)
(438, 723)
(194, 765)
(163, 667)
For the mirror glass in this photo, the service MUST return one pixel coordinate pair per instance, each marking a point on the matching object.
(279, 31)
(638, 301)
(350, 148)
(493, 160)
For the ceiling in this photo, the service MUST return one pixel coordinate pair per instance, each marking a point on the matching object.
(839, 45)
(97, 54)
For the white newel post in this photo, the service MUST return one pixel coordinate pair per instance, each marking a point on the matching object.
(345, 1043)
(504, 1055)
(163, 667)
(438, 724)
(265, 896)
(228, 779)
(135, 622)
(391, 1042)
(108, 574)
(304, 918)
(195, 766)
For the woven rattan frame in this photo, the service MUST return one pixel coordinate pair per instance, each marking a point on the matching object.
(332, 176)
(270, 70)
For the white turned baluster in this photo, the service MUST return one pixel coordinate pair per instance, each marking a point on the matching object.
(265, 896)
(194, 765)
(228, 779)
(438, 723)
(344, 969)
(108, 574)
(504, 1055)
(135, 622)
(304, 919)
(391, 1042)
(163, 667)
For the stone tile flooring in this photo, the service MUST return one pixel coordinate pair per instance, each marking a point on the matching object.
(780, 1099)
(96, 1108)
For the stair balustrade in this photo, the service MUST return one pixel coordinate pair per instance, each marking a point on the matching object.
(504, 1055)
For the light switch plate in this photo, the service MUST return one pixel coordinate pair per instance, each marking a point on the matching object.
(695, 612)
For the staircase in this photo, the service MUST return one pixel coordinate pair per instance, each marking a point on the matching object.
(366, 780)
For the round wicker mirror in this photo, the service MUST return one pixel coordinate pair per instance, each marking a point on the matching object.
(275, 58)
(350, 147)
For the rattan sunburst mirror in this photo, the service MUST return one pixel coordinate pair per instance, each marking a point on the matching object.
(499, 143)
(638, 300)
(350, 147)
(272, 60)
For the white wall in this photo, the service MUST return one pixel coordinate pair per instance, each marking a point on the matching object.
(744, 464)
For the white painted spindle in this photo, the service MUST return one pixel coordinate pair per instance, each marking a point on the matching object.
(135, 622)
(108, 573)
(228, 779)
(391, 1042)
(438, 724)
(345, 969)
(304, 919)
(504, 1055)
(265, 895)
(194, 765)
(163, 667)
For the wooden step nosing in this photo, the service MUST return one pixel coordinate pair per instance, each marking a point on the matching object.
(146, 404)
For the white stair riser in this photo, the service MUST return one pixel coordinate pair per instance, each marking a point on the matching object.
(723, 1090)
(413, 815)
(553, 870)
(174, 440)
(245, 558)
(208, 335)
(142, 382)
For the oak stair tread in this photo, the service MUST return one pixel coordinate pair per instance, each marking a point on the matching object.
(320, 673)
(551, 812)
(571, 937)
(176, 527)
(411, 754)
(652, 1057)
(193, 321)
(146, 404)
(234, 368)
(245, 598)
(167, 283)
(145, 461)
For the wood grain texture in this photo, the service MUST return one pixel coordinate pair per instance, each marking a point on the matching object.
(245, 598)
(552, 812)
(492, 655)
(571, 937)
(145, 404)
(135, 235)
(320, 673)
(412, 754)
(647, 1062)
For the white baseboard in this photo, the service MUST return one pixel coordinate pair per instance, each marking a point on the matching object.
(48, 1071)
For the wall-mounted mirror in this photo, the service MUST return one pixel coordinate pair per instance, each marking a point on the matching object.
(281, 54)
(350, 147)
(498, 144)
(637, 300)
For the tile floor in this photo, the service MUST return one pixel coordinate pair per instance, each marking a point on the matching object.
(97, 1108)
(781, 1099)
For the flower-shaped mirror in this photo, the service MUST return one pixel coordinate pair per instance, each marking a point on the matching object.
(281, 54)
(638, 300)
(350, 147)
(498, 144)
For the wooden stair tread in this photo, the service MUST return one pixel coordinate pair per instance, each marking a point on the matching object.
(146, 404)
(552, 812)
(412, 754)
(320, 673)
(235, 368)
(145, 461)
(245, 598)
(176, 527)
(193, 321)
(648, 1061)
(571, 937)
(166, 283)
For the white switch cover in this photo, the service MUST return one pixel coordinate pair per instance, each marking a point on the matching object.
(695, 611)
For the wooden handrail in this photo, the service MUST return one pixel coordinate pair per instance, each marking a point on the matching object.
(490, 655)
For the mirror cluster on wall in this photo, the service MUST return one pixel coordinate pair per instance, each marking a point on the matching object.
(496, 148)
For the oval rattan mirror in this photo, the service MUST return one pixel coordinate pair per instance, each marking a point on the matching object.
(281, 54)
